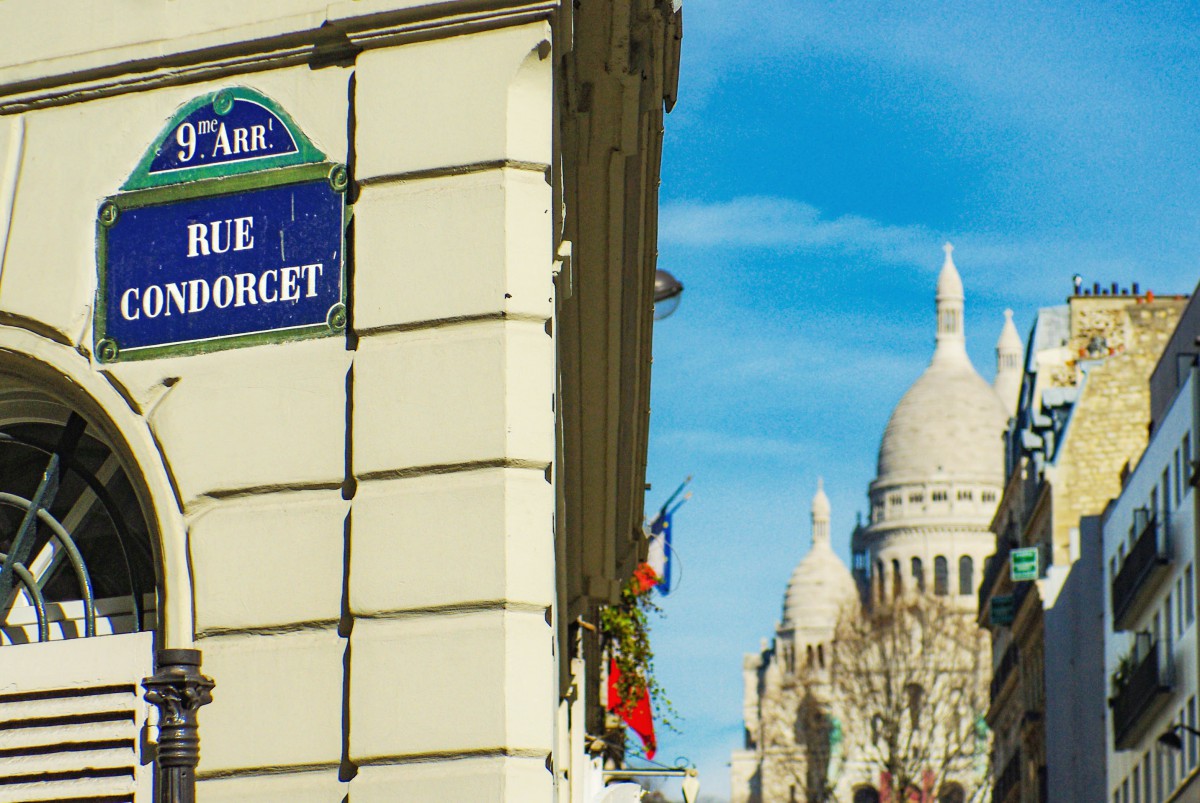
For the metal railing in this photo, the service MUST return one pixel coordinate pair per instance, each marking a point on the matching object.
(1140, 693)
(1149, 552)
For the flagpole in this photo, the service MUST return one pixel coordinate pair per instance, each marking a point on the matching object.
(663, 510)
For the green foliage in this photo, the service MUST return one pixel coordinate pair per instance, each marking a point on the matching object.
(626, 627)
(1124, 670)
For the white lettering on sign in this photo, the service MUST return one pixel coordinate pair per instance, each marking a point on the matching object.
(244, 140)
(228, 142)
(242, 289)
(185, 135)
(217, 236)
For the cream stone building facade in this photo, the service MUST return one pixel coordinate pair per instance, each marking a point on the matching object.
(940, 473)
(1081, 427)
(382, 541)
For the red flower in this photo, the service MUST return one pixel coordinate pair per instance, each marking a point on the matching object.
(644, 578)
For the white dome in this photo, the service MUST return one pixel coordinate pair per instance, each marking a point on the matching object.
(820, 587)
(948, 426)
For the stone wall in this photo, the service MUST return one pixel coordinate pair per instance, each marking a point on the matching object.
(1110, 423)
(367, 520)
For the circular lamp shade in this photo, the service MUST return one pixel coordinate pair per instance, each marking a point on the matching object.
(667, 293)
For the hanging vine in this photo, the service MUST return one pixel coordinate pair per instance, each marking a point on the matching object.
(626, 627)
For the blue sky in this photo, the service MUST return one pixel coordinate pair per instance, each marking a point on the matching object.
(819, 155)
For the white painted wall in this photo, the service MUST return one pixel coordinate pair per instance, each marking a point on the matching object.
(1165, 452)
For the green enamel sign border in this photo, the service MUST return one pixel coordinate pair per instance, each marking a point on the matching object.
(306, 152)
(110, 210)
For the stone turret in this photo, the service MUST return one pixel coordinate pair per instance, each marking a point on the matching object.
(1008, 364)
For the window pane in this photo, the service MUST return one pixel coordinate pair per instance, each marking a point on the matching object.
(966, 575)
(1178, 484)
(1168, 630)
(1179, 605)
(1191, 737)
(941, 576)
(918, 573)
(1189, 595)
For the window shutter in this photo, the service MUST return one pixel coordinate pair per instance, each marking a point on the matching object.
(72, 719)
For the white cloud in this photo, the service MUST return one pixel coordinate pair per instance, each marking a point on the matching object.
(773, 222)
(1028, 269)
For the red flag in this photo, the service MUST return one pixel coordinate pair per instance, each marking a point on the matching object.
(636, 716)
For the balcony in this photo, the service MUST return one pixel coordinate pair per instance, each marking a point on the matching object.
(1141, 694)
(1146, 563)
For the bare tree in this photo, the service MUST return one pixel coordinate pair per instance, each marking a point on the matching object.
(800, 740)
(914, 673)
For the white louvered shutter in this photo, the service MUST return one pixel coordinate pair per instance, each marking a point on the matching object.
(72, 718)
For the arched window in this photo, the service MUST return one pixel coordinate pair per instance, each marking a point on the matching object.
(918, 573)
(821, 655)
(71, 529)
(809, 654)
(966, 575)
(866, 794)
(75, 562)
(897, 579)
(941, 576)
(880, 580)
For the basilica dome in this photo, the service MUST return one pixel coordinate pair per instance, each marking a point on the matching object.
(950, 423)
(821, 584)
(820, 587)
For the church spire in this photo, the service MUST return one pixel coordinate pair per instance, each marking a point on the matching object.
(951, 341)
(820, 515)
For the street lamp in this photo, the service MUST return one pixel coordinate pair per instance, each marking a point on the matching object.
(667, 290)
(1171, 738)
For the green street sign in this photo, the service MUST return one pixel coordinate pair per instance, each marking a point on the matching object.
(1003, 611)
(1023, 564)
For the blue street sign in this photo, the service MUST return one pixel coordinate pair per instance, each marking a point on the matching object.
(202, 270)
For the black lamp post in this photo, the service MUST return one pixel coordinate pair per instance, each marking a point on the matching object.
(178, 690)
